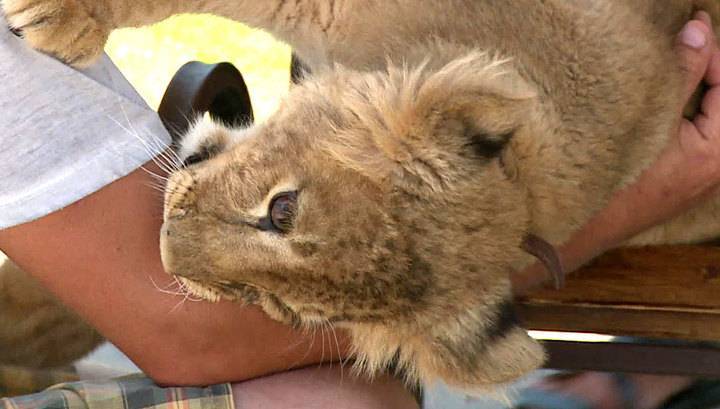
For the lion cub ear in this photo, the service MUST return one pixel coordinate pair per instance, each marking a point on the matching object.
(416, 122)
(472, 99)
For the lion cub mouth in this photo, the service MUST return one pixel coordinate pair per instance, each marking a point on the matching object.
(200, 290)
(217, 290)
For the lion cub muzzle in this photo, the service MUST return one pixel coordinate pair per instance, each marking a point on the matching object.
(178, 195)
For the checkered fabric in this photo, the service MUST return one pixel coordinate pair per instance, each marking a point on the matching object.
(133, 392)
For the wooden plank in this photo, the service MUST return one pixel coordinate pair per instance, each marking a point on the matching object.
(619, 321)
(660, 292)
(635, 356)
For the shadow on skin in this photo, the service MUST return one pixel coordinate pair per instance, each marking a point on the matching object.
(322, 387)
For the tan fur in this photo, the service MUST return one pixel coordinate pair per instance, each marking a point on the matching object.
(36, 331)
(434, 136)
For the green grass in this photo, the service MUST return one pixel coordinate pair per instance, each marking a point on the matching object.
(150, 56)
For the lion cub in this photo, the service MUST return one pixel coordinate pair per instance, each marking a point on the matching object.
(392, 192)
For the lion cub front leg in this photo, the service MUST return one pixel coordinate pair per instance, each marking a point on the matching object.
(36, 330)
(74, 31)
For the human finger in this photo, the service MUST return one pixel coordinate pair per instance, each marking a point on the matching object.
(708, 122)
(695, 47)
(712, 75)
(704, 17)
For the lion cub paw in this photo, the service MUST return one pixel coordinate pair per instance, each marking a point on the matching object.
(66, 29)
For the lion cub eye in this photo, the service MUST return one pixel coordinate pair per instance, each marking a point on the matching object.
(193, 159)
(204, 153)
(282, 211)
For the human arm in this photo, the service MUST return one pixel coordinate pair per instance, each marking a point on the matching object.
(686, 172)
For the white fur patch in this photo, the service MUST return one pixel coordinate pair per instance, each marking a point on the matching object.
(205, 132)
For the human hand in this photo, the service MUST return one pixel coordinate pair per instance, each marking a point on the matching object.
(687, 171)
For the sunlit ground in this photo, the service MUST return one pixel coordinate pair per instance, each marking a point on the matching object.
(149, 57)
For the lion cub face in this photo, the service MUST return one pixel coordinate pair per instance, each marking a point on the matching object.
(274, 220)
(382, 203)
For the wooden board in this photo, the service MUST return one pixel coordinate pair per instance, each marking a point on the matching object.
(656, 292)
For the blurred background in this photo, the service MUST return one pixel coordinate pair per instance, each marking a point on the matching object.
(150, 56)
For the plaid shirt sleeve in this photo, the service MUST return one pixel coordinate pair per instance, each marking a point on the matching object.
(133, 392)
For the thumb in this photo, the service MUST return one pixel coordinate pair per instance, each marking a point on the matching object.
(695, 44)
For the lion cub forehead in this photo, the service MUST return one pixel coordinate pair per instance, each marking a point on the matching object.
(206, 135)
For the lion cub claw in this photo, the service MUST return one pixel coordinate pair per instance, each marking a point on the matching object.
(66, 29)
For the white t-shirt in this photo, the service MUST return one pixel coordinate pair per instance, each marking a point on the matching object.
(65, 134)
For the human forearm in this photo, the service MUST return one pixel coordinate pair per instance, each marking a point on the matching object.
(323, 388)
(101, 257)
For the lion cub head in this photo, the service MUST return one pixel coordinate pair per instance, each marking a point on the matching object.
(383, 203)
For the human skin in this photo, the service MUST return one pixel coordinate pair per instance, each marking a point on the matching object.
(320, 388)
(686, 172)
